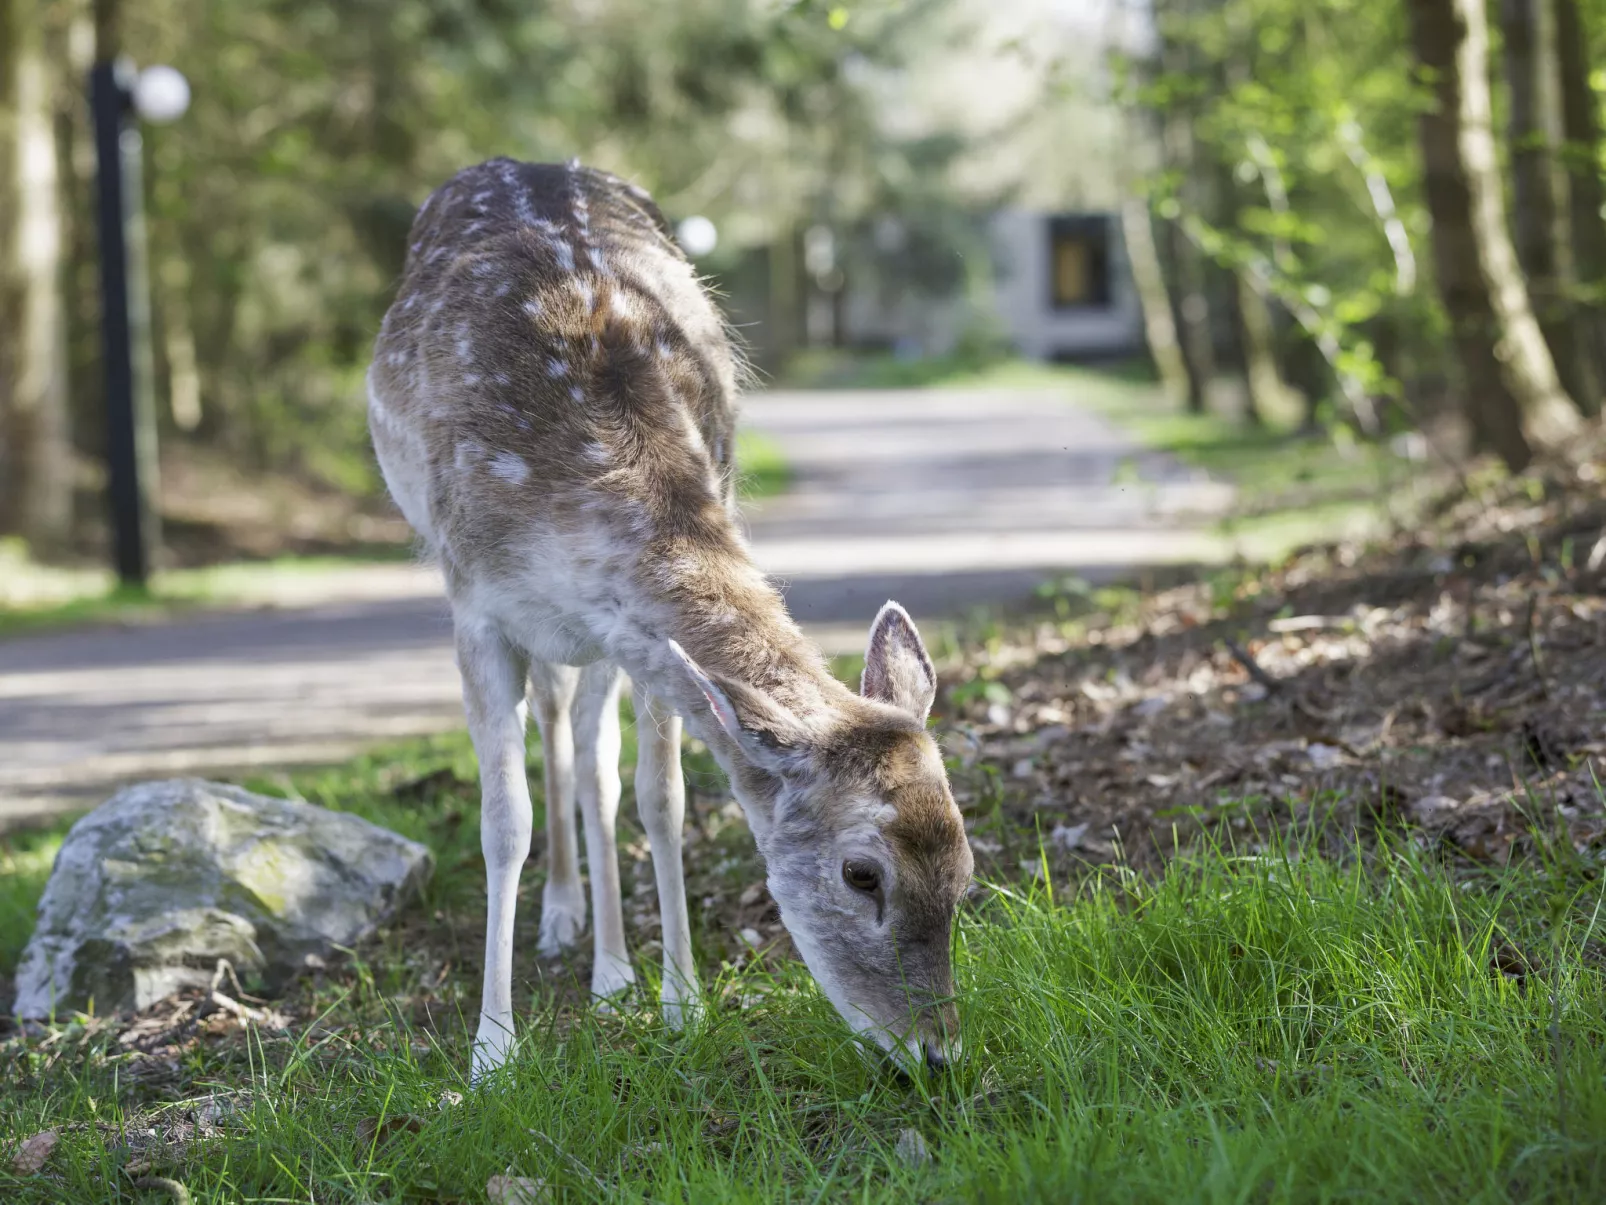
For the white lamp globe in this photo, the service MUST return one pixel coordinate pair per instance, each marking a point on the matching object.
(697, 236)
(161, 94)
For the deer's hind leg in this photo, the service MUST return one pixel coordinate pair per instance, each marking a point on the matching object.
(563, 900)
(596, 741)
(493, 698)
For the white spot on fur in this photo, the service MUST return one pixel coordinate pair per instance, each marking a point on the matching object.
(503, 289)
(465, 350)
(663, 349)
(556, 368)
(577, 393)
(471, 378)
(596, 452)
(595, 255)
(532, 308)
(509, 468)
(502, 378)
(588, 295)
(565, 254)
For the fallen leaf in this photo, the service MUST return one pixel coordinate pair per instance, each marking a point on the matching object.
(31, 1156)
(516, 1190)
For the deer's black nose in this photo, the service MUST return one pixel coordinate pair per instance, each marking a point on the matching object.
(936, 1060)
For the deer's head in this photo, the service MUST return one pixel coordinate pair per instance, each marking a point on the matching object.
(865, 849)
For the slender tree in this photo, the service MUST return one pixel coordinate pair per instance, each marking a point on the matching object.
(1160, 330)
(1581, 159)
(38, 483)
(1539, 211)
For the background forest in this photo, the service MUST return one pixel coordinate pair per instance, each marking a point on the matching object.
(1392, 212)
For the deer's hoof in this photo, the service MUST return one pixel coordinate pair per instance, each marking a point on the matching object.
(610, 980)
(493, 1042)
(562, 922)
(680, 1004)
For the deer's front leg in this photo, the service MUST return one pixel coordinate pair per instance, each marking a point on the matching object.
(661, 799)
(493, 698)
(563, 900)
(596, 747)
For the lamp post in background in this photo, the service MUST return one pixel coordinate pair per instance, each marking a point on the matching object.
(117, 94)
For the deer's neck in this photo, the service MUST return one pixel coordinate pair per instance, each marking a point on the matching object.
(714, 602)
(709, 597)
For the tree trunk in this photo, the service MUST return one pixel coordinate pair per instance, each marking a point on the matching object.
(1513, 406)
(10, 22)
(1539, 218)
(1192, 314)
(1306, 371)
(1581, 135)
(1264, 391)
(39, 458)
(1137, 230)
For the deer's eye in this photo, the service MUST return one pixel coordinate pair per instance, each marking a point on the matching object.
(862, 876)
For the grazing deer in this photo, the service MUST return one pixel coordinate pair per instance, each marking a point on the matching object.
(552, 401)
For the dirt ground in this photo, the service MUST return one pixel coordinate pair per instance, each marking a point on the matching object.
(1449, 684)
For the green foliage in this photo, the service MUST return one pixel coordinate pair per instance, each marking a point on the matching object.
(279, 206)
(1305, 173)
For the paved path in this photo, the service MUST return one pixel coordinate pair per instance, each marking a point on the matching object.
(943, 500)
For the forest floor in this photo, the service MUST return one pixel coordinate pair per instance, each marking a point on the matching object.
(1289, 887)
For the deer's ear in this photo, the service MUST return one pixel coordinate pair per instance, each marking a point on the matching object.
(897, 669)
(763, 732)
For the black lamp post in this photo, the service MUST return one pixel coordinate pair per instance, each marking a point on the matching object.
(117, 94)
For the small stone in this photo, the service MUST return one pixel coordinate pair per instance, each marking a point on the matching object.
(1324, 757)
(1067, 836)
(911, 1149)
(516, 1190)
(1432, 806)
(752, 894)
(752, 938)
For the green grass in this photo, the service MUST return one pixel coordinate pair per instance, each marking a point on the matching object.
(1249, 1027)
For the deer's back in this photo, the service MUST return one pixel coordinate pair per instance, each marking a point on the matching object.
(550, 369)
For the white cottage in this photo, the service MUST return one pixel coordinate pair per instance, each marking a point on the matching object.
(1062, 287)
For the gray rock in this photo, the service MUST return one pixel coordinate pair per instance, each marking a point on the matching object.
(165, 878)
